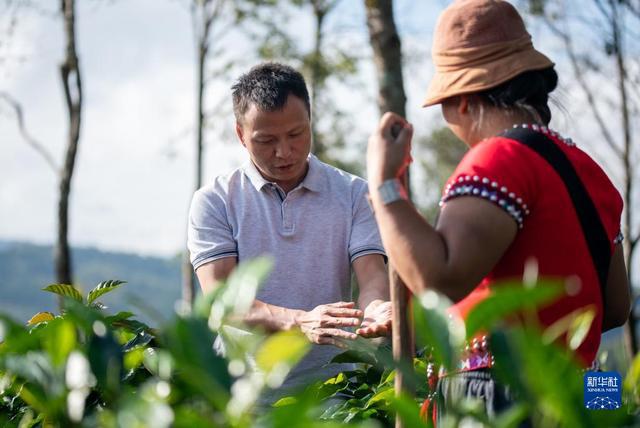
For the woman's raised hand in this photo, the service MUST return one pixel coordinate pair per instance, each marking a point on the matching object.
(389, 149)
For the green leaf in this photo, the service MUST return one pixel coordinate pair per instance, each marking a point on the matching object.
(140, 340)
(285, 401)
(435, 329)
(355, 356)
(43, 385)
(409, 412)
(203, 303)
(132, 326)
(16, 338)
(64, 290)
(507, 299)
(83, 316)
(237, 295)
(98, 305)
(546, 376)
(59, 337)
(576, 325)
(285, 347)
(513, 417)
(632, 380)
(123, 315)
(190, 342)
(133, 358)
(158, 362)
(40, 317)
(383, 397)
(103, 288)
(106, 361)
(340, 378)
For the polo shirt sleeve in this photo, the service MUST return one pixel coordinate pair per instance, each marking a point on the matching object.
(365, 237)
(499, 170)
(209, 235)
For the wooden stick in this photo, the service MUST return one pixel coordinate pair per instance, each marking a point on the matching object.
(402, 327)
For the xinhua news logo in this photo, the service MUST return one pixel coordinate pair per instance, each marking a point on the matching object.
(602, 390)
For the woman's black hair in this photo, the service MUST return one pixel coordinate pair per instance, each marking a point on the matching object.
(527, 92)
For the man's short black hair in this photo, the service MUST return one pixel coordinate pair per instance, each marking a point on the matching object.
(268, 86)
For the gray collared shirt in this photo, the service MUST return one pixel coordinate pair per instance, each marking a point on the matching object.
(313, 234)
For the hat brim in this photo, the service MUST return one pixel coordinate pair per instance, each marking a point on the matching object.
(446, 84)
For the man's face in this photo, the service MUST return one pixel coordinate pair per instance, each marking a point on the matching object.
(278, 141)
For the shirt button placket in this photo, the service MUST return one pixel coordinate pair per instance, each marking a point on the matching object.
(287, 223)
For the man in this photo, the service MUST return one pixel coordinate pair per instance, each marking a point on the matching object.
(312, 219)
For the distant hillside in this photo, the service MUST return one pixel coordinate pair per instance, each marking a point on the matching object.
(153, 283)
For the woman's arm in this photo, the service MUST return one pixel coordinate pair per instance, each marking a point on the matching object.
(617, 303)
(471, 236)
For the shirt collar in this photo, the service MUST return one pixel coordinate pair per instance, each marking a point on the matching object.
(314, 180)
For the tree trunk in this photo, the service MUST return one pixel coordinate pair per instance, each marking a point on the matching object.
(319, 12)
(72, 83)
(387, 54)
(203, 17)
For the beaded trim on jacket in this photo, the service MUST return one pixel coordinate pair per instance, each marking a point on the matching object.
(494, 191)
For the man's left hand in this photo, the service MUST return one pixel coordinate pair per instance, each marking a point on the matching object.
(377, 320)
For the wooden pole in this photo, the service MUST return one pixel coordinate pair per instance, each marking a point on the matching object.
(387, 54)
(402, 326)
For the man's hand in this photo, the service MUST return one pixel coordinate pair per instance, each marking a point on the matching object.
(377, 319)
(323, 325)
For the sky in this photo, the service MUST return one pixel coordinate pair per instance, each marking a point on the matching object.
(134, 174)
(135, 166)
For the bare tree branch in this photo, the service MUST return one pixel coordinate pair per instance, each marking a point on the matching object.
(17, 108)
(608, 137)
(603, 10)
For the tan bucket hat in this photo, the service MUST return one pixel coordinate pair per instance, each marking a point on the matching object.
(477, 45)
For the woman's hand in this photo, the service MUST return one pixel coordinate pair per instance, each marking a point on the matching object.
(389, 150)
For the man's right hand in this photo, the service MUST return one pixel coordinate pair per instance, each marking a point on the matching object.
(323, 324)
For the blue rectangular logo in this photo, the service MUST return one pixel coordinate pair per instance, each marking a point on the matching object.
(602, 390)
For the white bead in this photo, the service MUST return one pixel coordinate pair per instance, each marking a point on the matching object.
(519, 200)
(494, 184)
(512, 195)
(476, 191)
(485, 180)
(503, 189)
(476, 178)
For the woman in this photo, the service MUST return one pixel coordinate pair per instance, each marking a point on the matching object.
(505, 204)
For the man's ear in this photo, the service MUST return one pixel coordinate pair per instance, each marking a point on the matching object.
(240, 133)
